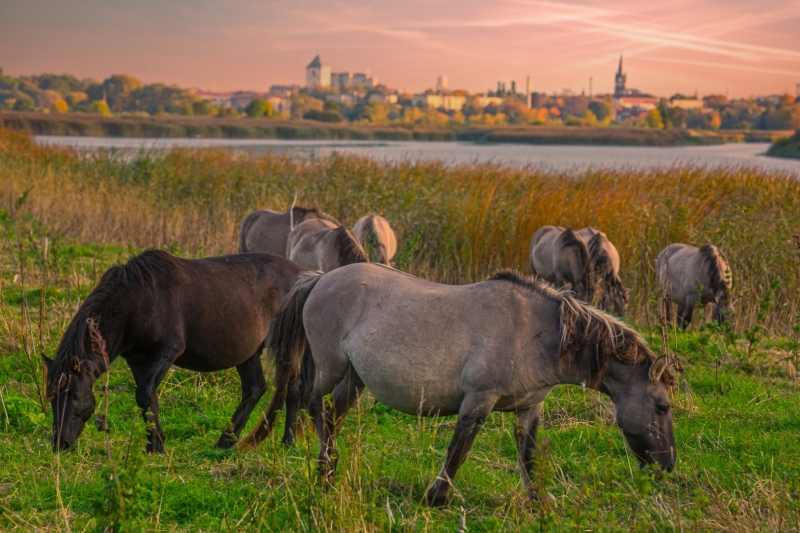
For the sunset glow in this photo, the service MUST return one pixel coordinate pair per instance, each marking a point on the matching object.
(712, 46)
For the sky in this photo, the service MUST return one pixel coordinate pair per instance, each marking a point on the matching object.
(743, 47)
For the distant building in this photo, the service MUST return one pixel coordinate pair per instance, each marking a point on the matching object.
(317, 74)
(484, 101)
(686, 103)
(389, 98)
(625, 98)
(797, 91)
(343, 98)
(449, 102)
(363, 79)
(242, 98)
(217, 99)
(279, 103)
(284, 90)
(348, 80)
(341, 80)
(441, 83)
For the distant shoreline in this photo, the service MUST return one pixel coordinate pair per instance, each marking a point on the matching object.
(84, 124)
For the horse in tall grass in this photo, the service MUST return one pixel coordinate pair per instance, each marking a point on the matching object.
(439, 350)
(157, 311)
(560, 256)
(689, 276)
(377, 238)
(613, 296)
(322, 245)
(267, 231)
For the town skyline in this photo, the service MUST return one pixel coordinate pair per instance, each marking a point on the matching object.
(740, 48)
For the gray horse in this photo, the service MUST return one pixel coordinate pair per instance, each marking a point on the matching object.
(613, 295)
(688, 276)
(267, 231)
(499, 345)
(377, 238)
(559, 256)
(322, 245)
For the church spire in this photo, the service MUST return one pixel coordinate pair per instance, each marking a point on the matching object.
(619, 80)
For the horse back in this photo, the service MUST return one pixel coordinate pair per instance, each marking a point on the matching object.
(265, 231)
(389, 324)
(217, 308)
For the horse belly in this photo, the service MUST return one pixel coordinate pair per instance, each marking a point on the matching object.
(409, 382)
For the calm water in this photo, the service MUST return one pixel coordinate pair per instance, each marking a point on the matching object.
(455, 153)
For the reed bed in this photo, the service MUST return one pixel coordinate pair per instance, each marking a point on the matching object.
(454, 224)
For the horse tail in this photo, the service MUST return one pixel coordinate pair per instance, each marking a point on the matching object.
(572, 239)
(287, 343)
(375, 245)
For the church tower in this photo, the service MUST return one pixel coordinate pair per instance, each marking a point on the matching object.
(619, 80)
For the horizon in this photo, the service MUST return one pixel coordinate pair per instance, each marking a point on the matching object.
(706, 46)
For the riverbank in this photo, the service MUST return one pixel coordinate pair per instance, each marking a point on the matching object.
(788, 148)
(81, 124)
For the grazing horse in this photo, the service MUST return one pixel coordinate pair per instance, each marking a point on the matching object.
(559, 256)
(157, 311)
(267, 231)
(688, 276)
(377, 238)
(605, 265)
(499, 345)
(321, 245)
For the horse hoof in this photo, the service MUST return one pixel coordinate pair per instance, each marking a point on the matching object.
(226, 442)
(436, 498)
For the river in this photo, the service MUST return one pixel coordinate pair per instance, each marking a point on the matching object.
(556, 158)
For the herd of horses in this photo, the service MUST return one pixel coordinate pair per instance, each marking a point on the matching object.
(336, 318)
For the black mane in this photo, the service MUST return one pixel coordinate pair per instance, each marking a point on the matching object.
(140, 270)
(601, 262)
(710, 259)
(350, 250)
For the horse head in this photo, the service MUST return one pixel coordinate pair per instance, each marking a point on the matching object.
(643, 410)
(69, 390)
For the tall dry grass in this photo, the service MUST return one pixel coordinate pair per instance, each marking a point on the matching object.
(454, 224)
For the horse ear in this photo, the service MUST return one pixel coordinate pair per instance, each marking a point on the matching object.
(47, 362)
(76, 364)
(657, 368)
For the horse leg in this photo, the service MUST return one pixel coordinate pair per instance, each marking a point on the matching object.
(150, 376)
(471, 417)
(328, 421)
(666, 308)
(686, 311)
(149, 407)
(251, 375)
(525, 436)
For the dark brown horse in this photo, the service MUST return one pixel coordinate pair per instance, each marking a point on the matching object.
(157, 311)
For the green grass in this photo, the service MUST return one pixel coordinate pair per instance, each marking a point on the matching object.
(786, 147)
(737, 423)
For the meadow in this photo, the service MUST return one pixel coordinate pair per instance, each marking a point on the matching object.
(66, 216)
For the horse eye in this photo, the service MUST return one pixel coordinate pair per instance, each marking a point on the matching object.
(662, 409)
